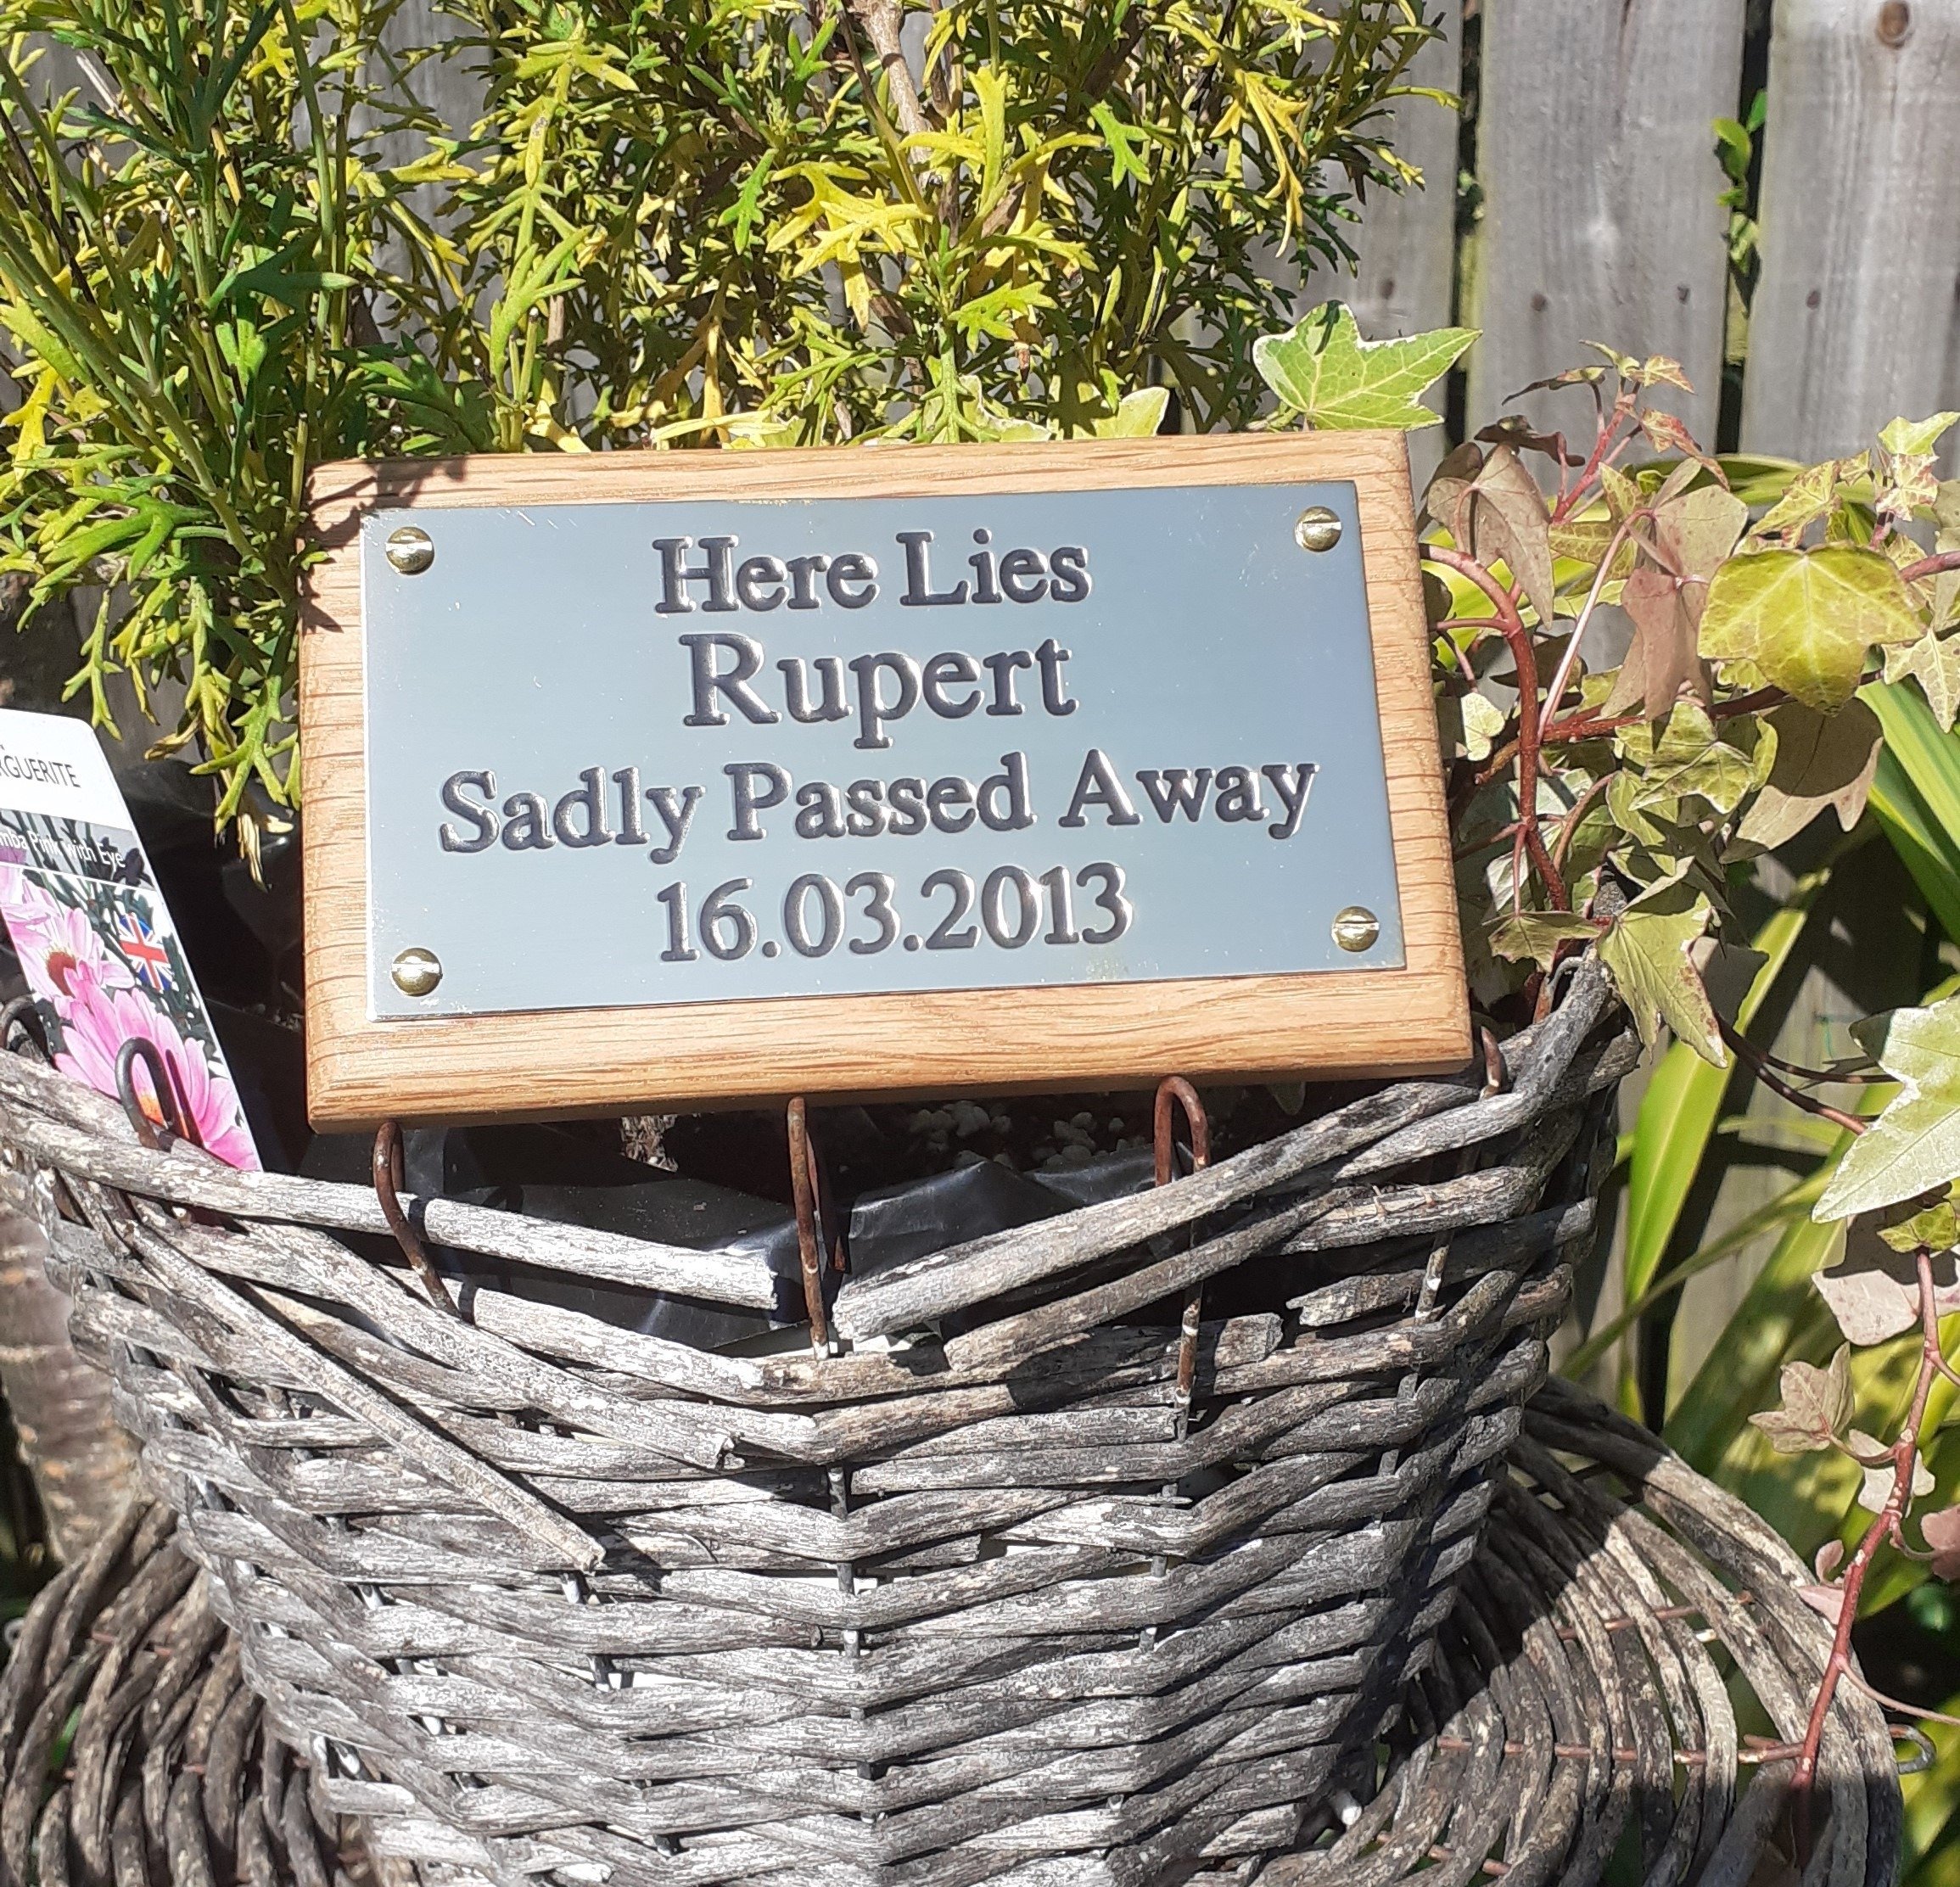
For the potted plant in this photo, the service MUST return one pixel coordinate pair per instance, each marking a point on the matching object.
(1039, 1575)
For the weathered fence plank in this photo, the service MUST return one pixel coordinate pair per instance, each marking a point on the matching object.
(1601, 218)
(1856, 318)
(1404, 276)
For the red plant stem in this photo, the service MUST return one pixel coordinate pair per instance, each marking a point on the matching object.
(1503, 836)
(1931, 566)
(1579, 727)
(1759, 1066)
(1511, 627)
(1581, 807)
(1905, 1452)
(1601, 447)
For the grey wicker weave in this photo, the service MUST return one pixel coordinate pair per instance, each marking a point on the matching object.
(1583, 1701)
(169, 1774)
(1000, 1591)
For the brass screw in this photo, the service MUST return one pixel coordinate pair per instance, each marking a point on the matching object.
(1317, 529)
(1356, 928)
(416, 971)
(411, 550)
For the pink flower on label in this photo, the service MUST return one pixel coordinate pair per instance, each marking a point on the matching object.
(73, 958)
(94, 1030)
(61, 953)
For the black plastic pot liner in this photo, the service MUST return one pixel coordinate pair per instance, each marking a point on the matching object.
(547, 1173)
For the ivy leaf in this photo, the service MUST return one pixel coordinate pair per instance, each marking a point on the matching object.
(1515, 430)
(1809, 496)
(1493, 507)
(1138, 415)
(1656, 370)
(1483, 720)
(1807, 618)
(1538, 934)
(1666, 432)
(1902, 467)
(1508, 520)
(1869, 1307)
(1934, 661)
(1942, 1534)
(1689, 757)
(1323, 369)
(1821, 760)
(1693, 532)
(1881, 1481)
(1817, 1406)
(1937, 1228)
(1647, 953)
(1914, 1146)
(1916, 439)
(1830, 1601)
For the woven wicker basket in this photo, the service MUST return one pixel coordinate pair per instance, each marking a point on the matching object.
(990, 1593)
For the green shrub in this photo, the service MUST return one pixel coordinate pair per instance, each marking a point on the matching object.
(679, 221)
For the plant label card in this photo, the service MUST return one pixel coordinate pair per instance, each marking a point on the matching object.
(96, 945)
(694, 777)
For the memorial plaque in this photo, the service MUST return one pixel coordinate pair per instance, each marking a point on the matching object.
(692, 777)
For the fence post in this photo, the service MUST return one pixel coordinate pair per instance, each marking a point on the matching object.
(1600, 184)
(1856, 318)
(1404, 275)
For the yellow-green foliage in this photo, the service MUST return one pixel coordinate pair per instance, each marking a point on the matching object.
(240, 249)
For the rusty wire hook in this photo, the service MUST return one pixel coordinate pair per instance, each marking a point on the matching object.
(23, 1013)
(163, 1081)
(387, 1190)
(814, 1218)
(1175, 1088)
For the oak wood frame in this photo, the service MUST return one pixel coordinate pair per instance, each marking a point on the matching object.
(361, 1070)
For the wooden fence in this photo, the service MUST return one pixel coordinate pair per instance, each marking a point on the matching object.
(1600, 218)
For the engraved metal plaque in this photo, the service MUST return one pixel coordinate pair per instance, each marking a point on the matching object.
(642, 754)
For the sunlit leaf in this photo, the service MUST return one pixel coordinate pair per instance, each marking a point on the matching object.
(1821, 760)
(1808, 619)
(1647, 952)
(1816, 1408)
(1323, 369)
(1914, 1147)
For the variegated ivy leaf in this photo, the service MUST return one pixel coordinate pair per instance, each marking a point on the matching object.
(1821, 760)
(1913, 439)
(1694, 531)
(1483, 720)
(1538, 934)
(1914, 1147)
(1688, 757)
(1647, 954)
(1879, 1481)
(1470, 724)
(1656, 370)
(1323, 369)
(1870, 1308)
(1902, 467)
(1934, 661)
(1807, 618)
(1810, 495)
(1935, 1229)
(1815, 1409)
(1138, 415)
(1942, 1536)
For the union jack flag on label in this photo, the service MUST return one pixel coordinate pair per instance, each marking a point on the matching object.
(148, 958)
